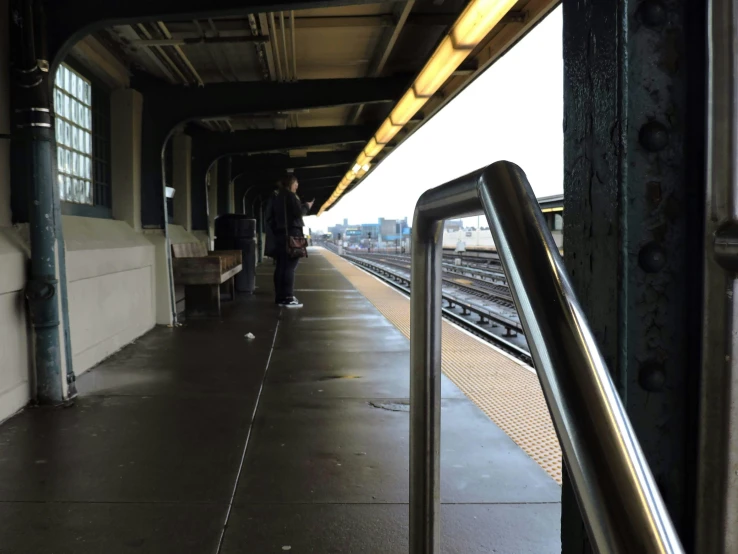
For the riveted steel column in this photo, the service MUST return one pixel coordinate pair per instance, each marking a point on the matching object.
(633, 195)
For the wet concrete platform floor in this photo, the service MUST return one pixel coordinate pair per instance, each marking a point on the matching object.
(198, 440)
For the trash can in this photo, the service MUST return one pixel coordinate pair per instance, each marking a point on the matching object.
(235, 225)
(238, 232)
(246, 279)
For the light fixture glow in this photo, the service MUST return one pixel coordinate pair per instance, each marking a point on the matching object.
(406, 108)
(363, 159)
(386, 132)
(472, 26)
(477, 20)
(373, 148)
(439, 68)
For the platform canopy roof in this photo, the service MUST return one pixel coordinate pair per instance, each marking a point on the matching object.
(304, 83)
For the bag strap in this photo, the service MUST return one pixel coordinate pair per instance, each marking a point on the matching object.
(286, 225)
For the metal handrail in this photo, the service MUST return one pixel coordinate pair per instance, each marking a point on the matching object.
(617, 494)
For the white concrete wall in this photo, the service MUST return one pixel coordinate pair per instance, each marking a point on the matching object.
(477, 238)
(15, 361)
(110, 286)
(110, 266)
(202, 236)
(110, 275)
(125, 147)
(15, 368)
(483, 239)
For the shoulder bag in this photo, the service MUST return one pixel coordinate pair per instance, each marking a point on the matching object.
(296, 246)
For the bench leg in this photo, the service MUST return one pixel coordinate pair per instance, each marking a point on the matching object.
(202, 301)
(229, 288)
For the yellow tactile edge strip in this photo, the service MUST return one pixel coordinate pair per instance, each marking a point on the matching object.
(508, 393)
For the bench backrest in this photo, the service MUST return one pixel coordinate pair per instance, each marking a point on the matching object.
(189, 250)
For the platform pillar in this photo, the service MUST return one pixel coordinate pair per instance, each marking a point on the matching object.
(634, 132)
(182, 180)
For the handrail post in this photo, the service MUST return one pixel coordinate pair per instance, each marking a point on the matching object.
(425, 389)
(616, 491)
(426, 304)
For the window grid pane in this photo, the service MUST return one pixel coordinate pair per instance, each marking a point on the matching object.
(72, 107)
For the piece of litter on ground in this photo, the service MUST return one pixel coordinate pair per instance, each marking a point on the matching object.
(250, 336)
(286, 548)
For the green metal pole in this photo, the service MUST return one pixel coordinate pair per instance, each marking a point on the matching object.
(33, 146)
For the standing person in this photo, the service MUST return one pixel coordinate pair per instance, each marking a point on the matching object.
(285, 220)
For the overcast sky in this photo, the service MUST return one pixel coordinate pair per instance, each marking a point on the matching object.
(513, 111)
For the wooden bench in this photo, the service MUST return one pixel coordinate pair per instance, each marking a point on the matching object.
(203, 275)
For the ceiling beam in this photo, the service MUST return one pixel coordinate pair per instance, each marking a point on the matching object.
(283, 162)
(187, 41)
(74, 19)
(304, 175)
(216, 145)
(179, 104)
(317, 188)
(234, 28)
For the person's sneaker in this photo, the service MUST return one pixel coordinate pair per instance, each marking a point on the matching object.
(294, 303)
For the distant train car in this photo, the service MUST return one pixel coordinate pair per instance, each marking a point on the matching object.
(553, 210)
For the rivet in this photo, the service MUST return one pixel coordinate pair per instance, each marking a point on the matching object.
(653, 13)
(653, 136)
(652, 377)
(652, 257)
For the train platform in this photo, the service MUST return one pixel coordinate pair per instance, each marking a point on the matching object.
(199, 439)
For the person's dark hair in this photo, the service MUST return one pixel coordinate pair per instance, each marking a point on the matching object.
(287, 181)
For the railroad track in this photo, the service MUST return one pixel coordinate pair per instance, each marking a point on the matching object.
(503, 331)
(469, 284)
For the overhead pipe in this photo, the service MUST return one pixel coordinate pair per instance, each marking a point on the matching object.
(275, 46)
(283, 31)
(163, 28)
(294, 116)
(33, 166)
(294, 47)
(199, 40)
(164, 55)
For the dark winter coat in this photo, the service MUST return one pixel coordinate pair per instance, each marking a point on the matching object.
(283, 203)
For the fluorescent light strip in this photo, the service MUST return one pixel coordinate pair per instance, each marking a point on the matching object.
(475, 23)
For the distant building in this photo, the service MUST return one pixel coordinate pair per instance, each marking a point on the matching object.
(385, 230)
(454, 225)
